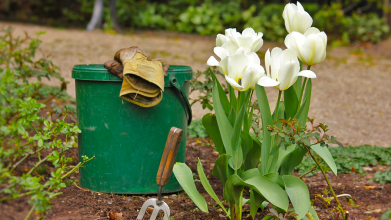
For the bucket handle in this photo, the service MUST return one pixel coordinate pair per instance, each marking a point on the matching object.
(184, 101)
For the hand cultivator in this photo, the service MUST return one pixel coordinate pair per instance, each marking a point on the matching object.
(163, 175)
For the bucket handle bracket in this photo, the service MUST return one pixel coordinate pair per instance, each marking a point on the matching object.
(174, 83)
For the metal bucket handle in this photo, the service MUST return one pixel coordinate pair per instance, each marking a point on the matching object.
(183, 99)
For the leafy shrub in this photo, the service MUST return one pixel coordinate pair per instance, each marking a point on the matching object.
(382, 177)
(30, 142)
(269, 22)
(209, 18)
(196, 129)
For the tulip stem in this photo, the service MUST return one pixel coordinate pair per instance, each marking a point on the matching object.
(303, 86)
(277, 106)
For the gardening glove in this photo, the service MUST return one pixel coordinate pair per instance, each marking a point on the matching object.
(143, 82)
(114, 67)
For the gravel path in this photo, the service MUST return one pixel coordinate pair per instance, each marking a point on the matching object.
(352, 93)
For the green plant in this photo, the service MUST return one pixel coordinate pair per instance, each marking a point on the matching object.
(382, 177)
(268, 21)
(209, 17)
(386, 215)
(29, 142)
(353, 159)
(196, 129)
(204, 86)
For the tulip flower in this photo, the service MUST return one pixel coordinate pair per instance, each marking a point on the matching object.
(242, 71)
(247, 42)
(310, 47)
(296, 19)
(283, 67)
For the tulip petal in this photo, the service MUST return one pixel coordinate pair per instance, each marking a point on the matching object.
(275, 62)
(267, 62)
(237, 66)
(223, 65)
(233, 83)
(221, 52)
(257, 44)
(230, 47)
(221, 39)
(308, 74)
(248, 32)
(246, 43)
(301, 22)
(312, 30)
(212, 61)
(266, 81)
(248, 79)
(287, 75)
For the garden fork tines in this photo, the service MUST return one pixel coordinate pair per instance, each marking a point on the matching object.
(163, 175)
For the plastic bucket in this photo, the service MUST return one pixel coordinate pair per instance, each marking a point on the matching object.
(127, 140)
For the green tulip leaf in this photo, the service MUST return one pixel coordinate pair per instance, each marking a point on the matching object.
(306, 103)
(222, 121)
(210, 124)
(237, 156)
(252, 158)
(313, 213)
(325, 154)
(223, 97)
(292, 160)
(232, 97)
(291, 102)
(185, 178)
(298, 194)
(221, 169)
(275, 177)
(247, 143)
(267, 120)
(232, 117)
(256, 201)
(207, 186)
(264, 186)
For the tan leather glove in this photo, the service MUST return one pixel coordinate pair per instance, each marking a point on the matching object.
(143, 82)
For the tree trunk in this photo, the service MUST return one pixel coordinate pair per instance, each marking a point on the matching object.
(96, 19)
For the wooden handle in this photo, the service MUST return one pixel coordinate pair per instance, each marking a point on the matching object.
(168, 158)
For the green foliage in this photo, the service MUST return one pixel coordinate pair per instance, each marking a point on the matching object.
(343, 29)
(382, 177)
(196, 129)
(268, 21)
(25, 133)
(352, 159)
(202, 83)
(209, 18)
(386, 215)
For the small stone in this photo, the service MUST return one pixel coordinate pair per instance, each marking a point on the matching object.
(215, 153)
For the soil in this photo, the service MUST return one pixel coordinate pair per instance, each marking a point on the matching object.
(371, 199)
(351, 95)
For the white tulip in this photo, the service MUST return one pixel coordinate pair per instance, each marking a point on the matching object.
(283, 67)
(296, 19)
(242, 71)
(310, 47)
(236, 43)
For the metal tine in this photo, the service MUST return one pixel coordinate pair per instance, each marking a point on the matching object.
(156, 208)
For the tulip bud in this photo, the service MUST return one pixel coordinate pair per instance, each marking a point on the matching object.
(310, 47)
(296, 19)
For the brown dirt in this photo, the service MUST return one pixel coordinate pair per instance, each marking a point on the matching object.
(372, 199)
(351, 93)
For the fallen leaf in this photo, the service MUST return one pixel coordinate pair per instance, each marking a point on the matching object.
(115, 215)
(369, 187)
(373, 211)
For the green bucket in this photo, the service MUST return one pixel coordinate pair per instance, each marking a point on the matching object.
(127, 140)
